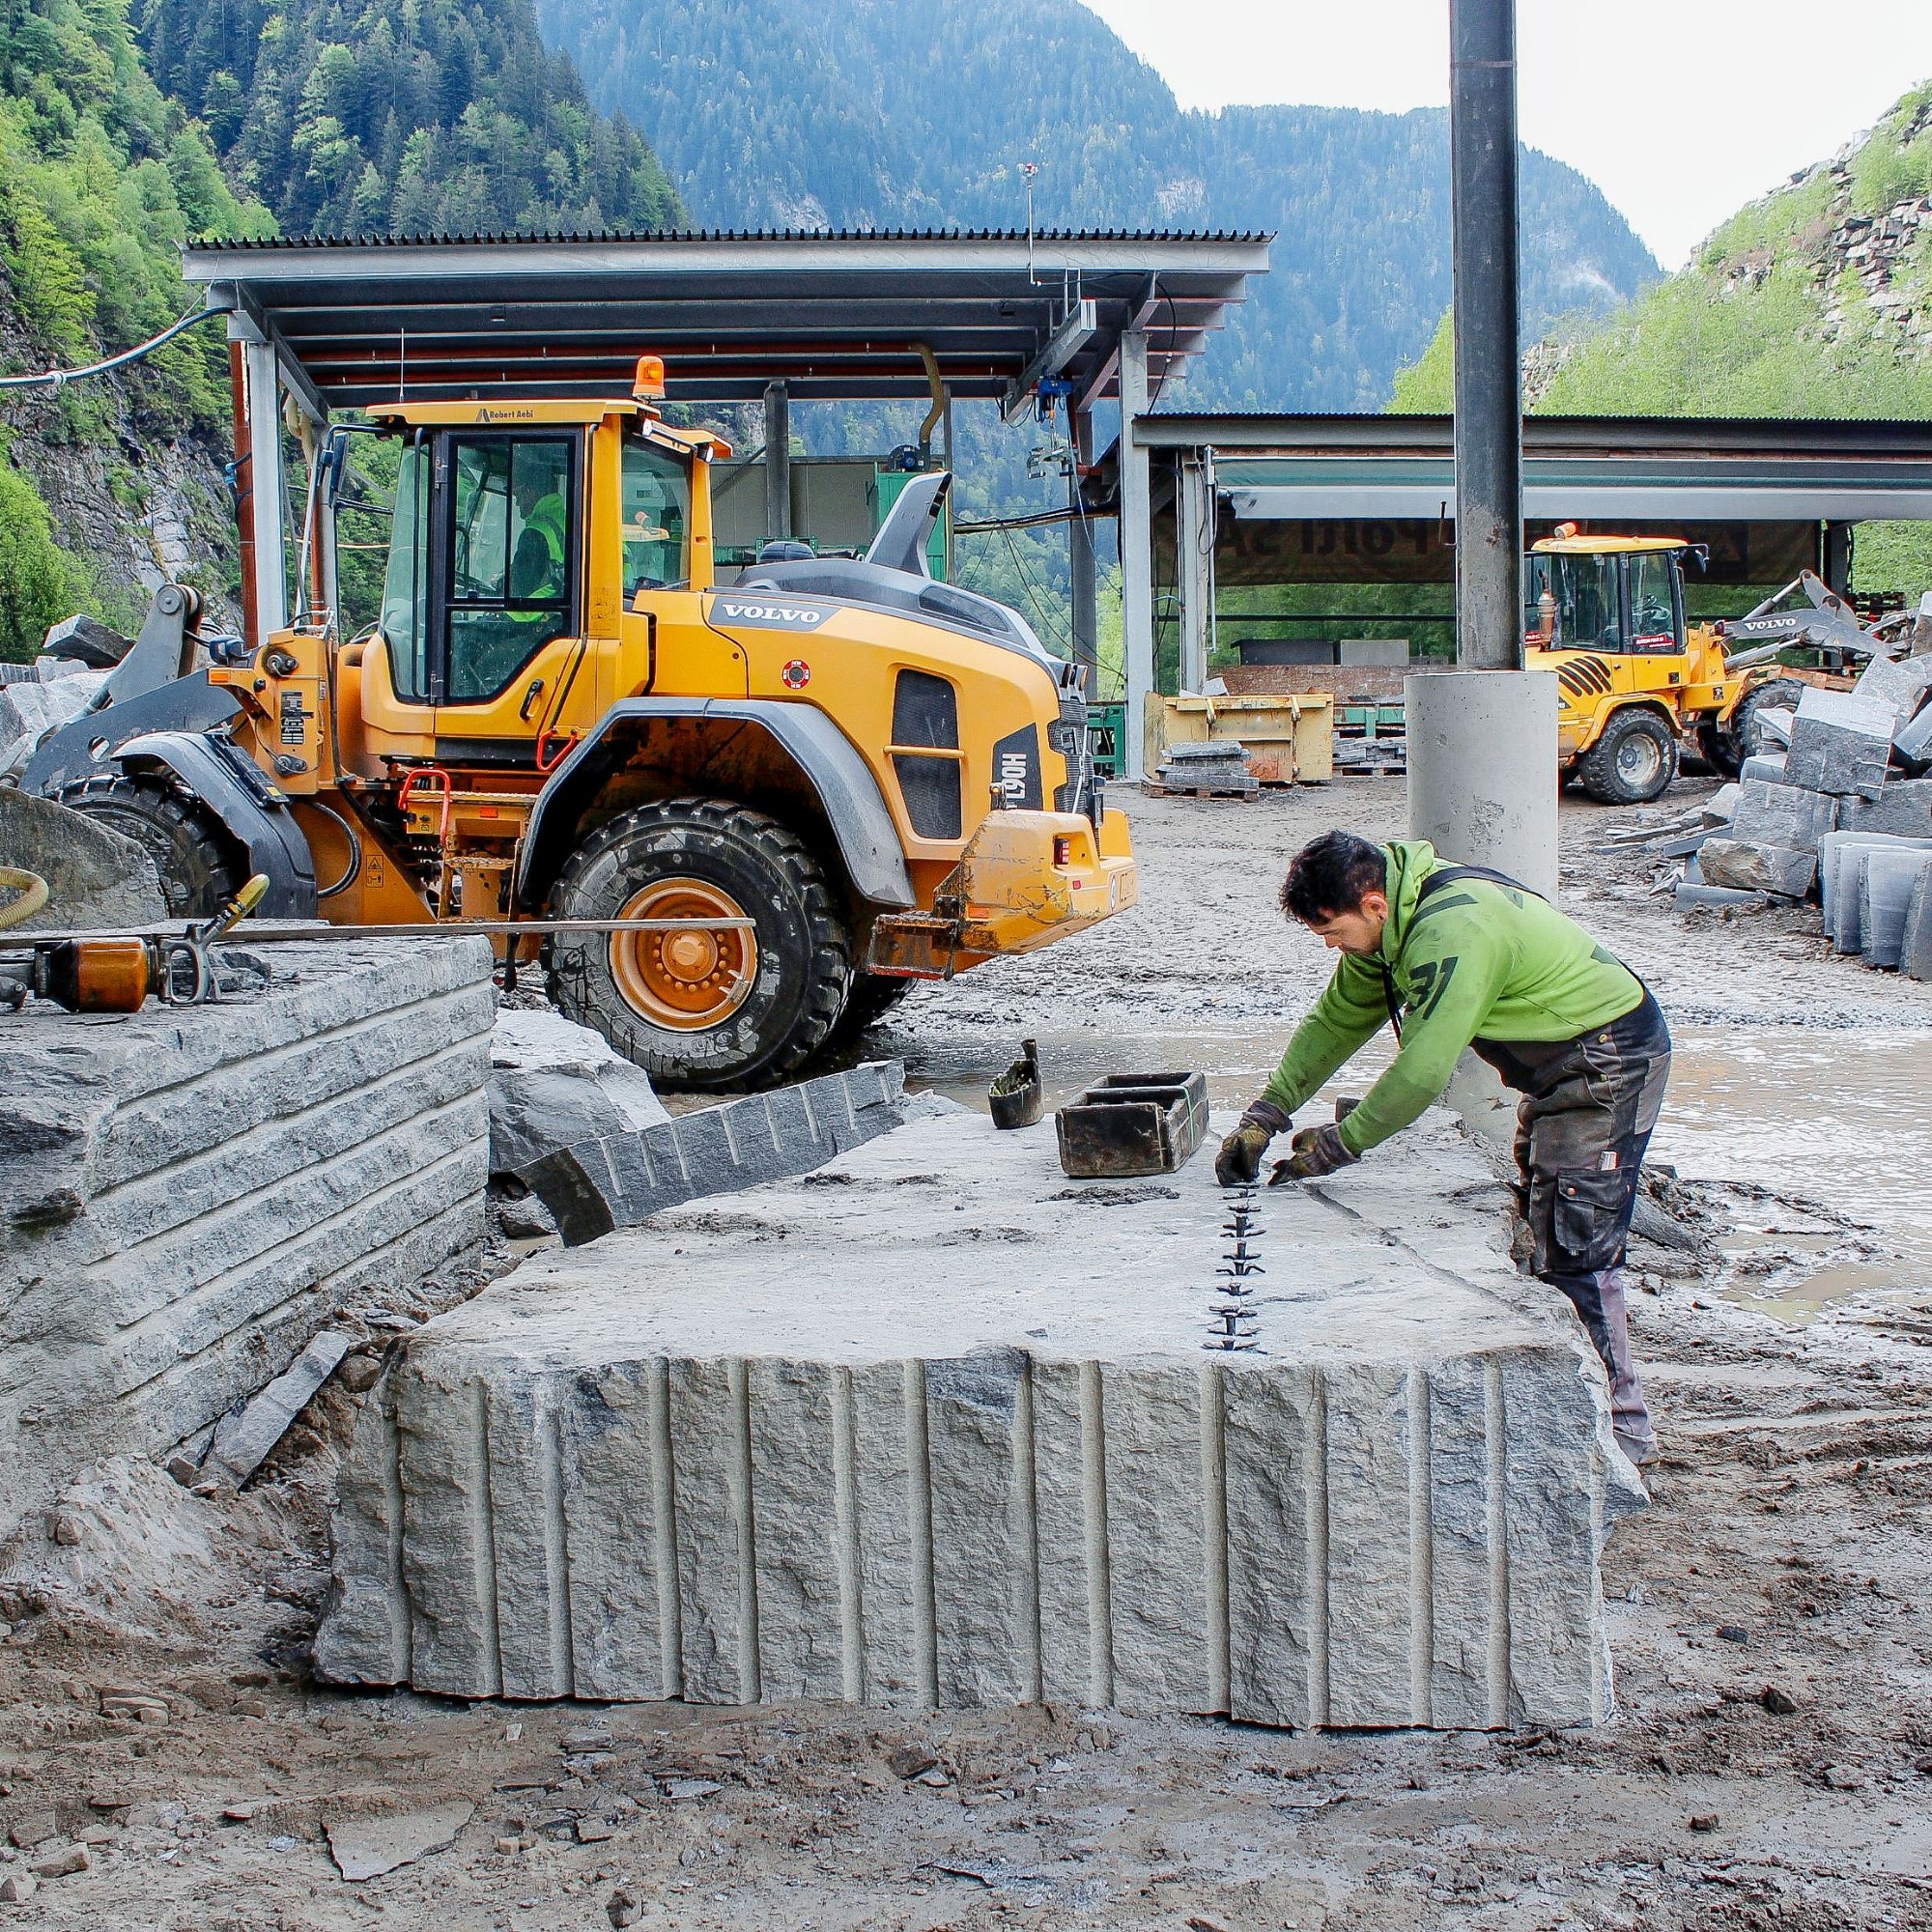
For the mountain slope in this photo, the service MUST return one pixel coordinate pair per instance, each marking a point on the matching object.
(863, 113)
(356, 116)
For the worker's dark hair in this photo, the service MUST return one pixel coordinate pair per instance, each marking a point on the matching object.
(1332, 874)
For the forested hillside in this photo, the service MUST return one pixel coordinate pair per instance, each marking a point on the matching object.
(359, 117)
(1816, 301)
(859, 112)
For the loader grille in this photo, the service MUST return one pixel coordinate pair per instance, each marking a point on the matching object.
(925, 712)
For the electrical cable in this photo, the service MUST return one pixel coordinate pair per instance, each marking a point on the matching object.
(59, 379)
(1035, 597)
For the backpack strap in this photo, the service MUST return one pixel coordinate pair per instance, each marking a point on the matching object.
(1439, 879)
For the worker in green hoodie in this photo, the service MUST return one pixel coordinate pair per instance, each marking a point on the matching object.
(1454, 956)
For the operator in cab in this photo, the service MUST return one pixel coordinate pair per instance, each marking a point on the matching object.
(1454, 956)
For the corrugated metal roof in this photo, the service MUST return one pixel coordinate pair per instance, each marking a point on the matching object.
(1211, 237)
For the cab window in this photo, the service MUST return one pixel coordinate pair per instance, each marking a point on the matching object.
(1653, 602)
(405, 579)
(657, 517)
(512, 557)
(1572, 600)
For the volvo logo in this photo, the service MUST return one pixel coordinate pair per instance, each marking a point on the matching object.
(770, 616)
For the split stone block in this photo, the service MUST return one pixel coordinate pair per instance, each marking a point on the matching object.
(1913, 740)
(933, 1427)
(1840, 743)
(1903, 809)
(1693, 893)
(1751, 867)
(1899, 684)
(1891, 878)
(1841, 880)
(1915, 950)
(1773, 724)
(553, 1083)
(618, 1179)
(1720, 808)
(1793, 817)
(96, 878)
(1769, 766)
(186, 1192)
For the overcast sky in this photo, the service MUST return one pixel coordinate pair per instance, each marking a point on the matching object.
(1679, 110)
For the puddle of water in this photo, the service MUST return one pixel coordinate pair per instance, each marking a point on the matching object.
(1838, 1116)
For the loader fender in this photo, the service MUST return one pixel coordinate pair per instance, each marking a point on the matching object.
(254, 813)
(805, 740)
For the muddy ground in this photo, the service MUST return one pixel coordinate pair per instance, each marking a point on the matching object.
(1771, 1765)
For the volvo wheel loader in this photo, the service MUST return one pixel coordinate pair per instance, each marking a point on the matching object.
(740, 819)
(1636, 682)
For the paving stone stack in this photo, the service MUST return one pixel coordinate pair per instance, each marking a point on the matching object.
(1851, 777)
(186, 1192)
(1218, 766)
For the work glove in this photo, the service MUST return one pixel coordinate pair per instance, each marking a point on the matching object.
(1239, 1161)
(1314, 1153)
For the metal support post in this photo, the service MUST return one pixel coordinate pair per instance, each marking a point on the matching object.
(778, 461)
(1838, 546)
(1481, 739)
(1489, 380)
(1080, 561)
(1136, 553)
(1194, 560)
(262, 483)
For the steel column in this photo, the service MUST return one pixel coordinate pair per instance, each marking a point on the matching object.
(265, 498)
(778, 461)
(1194, 568)
(1079, 562)
(1839, 549)
(1488, 384)
(1136, 552)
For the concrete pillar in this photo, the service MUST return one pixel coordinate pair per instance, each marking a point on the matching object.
(267, 487)
(1194, 559)
(778, 461)
(1136, 552)
(1080, 561)
(1482, 769)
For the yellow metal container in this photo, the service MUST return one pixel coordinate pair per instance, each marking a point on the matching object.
(1289, 738)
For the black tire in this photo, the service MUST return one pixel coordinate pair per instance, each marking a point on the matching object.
(802, 968)
(1632, 762)
(1718, 748)
(873, 997)
(200, 871)
(1743, 730)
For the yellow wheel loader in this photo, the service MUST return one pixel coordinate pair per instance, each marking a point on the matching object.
(737, 820)
(1637, 684)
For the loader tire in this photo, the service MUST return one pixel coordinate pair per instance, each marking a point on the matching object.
(200, 872)
(1632, 762)
(1743, 729)
(873, 997)
(703, 1008)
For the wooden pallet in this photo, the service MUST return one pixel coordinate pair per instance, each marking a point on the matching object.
(1154, 788)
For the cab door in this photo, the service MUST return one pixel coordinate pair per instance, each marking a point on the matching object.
(506, 636)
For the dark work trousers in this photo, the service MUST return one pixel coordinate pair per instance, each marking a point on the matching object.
(1588, 1108)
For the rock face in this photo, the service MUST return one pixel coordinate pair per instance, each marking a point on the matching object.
(97, 879)
(934, 1427)
(185, 1192)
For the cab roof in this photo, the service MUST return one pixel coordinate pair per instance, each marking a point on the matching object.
(514, 411)
(1605, 546)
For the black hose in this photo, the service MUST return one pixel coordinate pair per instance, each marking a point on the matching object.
(58, 378)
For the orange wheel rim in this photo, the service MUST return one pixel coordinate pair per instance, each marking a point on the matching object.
(692, 977)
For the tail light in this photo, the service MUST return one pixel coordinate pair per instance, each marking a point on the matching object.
(1063, 851)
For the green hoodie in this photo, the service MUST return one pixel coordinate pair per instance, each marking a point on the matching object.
(1477, 961)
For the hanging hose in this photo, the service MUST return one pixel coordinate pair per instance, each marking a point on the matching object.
(33, 891)
(58, 378)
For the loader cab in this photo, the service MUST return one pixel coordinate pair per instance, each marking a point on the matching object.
(523, 539)
(1622, 596)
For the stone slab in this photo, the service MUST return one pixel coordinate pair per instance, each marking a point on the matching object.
(244, 1439)
(97, 879)
(553, 1083)
(186, 1192)
(1915, 949)
(1841, 857)
(935, 1426)
(621, 1178)
(1899, 684)
(1891, 877)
